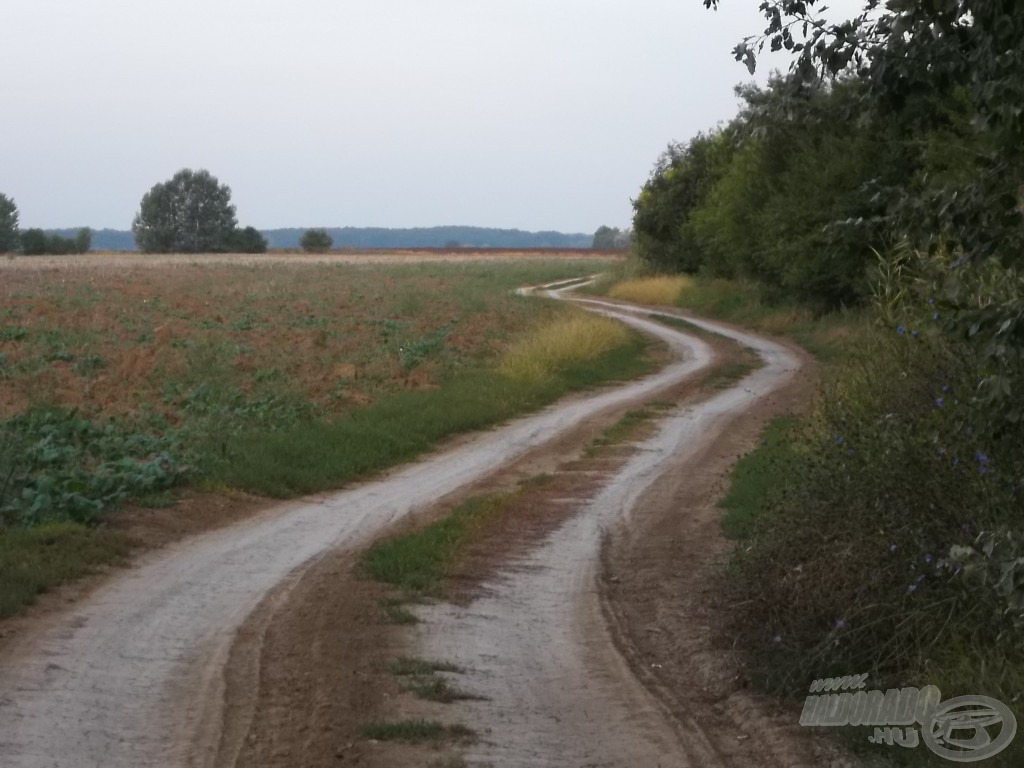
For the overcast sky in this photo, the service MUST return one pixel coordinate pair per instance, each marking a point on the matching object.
(534, 114)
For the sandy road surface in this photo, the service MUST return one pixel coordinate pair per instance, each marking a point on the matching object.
(556, 692)
(133, 676)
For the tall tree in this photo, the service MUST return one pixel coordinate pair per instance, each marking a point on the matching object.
(912, 56)
(9, 239)
(190, 213)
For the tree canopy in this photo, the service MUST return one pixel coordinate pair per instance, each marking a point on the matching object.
(190, 213)
(9, 240)
(316, 241)
(954, 67)
(248, 240)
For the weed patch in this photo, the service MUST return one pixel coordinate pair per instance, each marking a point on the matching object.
(417, 731)
(620, 431)
(56, 465)
(320, 455)
(36, 560)
(418, 561)
(559, 345)
(664, 290)
(411, 666)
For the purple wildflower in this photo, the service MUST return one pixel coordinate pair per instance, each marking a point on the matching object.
(900, 329)
(927, 558)
(840, 625)
(935, 315)
(938, 402)
(981, 457)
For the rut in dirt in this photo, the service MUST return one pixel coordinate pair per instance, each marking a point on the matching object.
(133, 676)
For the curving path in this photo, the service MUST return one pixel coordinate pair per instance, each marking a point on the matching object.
(132, 677)
(555, 690)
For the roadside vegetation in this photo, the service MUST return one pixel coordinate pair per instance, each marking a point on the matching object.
(418, 731)
(867, 204)
(277, 380)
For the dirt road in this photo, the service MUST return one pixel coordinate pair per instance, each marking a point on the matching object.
(133, 676)
(555, 689)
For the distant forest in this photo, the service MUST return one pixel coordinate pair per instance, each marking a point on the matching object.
(376, 237)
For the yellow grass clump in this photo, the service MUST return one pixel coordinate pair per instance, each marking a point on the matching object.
(560, 344)
(651, 290)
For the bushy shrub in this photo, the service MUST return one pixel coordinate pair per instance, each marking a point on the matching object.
(56, 465)
(316, 241)
(894, 543)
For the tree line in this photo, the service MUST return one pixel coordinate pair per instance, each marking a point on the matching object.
(884, 171)
(894, 127)
(192, 213)
(34, 242)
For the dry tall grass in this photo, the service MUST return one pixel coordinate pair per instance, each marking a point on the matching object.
(560, 344)
(652, 290)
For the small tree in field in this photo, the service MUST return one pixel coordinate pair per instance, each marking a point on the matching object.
(190, 213)
(248, 240)
(316, 241)
(9, 237)
(83, 240)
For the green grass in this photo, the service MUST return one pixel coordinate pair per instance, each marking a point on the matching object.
(393, 611)
(417, 562)
(827, 337)
(620, 431)
(320, 455)
(755, 476)
(416, 731)
(421, 678)
(36, 560)
(436, 688)
(412, 666)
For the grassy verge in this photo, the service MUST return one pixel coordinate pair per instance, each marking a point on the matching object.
(755, 477)
(827, 337)
(620, 431)
(316, 456)
(422, 678)
(34, 560)
(417, 562)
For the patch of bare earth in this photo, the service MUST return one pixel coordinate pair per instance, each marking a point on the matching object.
(662, 592)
